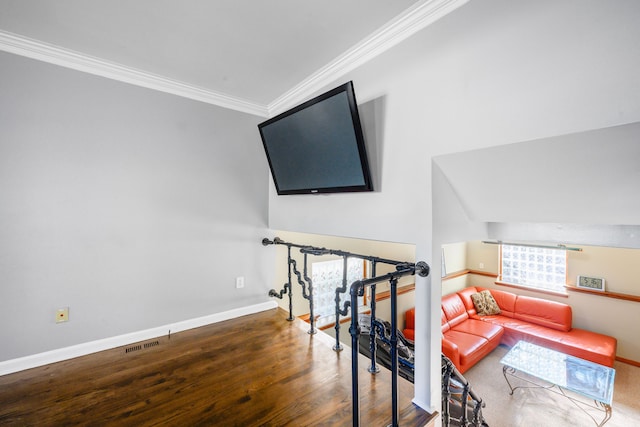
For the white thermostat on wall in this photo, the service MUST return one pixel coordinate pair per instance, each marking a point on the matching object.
(592, 283)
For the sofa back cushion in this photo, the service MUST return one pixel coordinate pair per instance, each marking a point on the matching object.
(543, 312)
(443, 322)
(465, 296)
(454, 309)
(506, 301)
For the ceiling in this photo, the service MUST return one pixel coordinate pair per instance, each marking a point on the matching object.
(587, 177)
(254, 56)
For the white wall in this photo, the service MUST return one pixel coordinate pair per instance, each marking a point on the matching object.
(493, 72)
(133, 208)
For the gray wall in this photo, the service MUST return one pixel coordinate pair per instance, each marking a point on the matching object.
(134, 208)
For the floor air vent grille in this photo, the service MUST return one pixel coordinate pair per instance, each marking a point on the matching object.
(133, 348)
(141, 346)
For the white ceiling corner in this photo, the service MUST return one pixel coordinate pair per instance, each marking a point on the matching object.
(418, 16)
(412, 20)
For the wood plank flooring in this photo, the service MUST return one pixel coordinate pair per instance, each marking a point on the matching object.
(257, 370)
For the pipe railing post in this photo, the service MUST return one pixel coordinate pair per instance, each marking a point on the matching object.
(465, 405)
(373, 369)
(354, 330)
(342, 289)
(303, 281)
(312, 319)
(287, 286)
(446, 390)
(289, 260)
(393, 282)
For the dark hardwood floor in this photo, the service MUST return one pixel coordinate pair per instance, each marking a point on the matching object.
(257, 370)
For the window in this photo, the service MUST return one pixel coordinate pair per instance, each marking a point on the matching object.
(326, 277)
(535, 267)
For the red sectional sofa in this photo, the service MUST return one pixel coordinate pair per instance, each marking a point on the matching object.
(468, 337)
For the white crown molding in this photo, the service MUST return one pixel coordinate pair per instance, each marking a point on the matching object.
(53, 356)
(412, 20)
(409, 22)
(35, 49)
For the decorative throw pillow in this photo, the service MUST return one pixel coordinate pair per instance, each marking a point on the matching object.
(484, 303)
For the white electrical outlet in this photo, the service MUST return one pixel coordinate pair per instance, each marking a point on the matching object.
(482, 265)
(239, 282)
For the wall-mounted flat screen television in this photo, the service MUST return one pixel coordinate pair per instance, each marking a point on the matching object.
(318, 146)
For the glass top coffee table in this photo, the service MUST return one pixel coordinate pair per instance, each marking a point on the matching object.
(562, 372)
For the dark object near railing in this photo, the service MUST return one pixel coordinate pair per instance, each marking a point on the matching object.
(382, 342)
(357, 288)
(460, 404)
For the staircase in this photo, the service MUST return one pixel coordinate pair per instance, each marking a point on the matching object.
(460, 404)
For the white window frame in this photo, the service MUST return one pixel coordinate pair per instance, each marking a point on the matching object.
(533, 267)
(324, 289)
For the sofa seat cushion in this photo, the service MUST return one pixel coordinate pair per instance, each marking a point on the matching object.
(586, 345)
(514, 330)
(489, 331)
(508, 323)
(591, 346)
(471, 348)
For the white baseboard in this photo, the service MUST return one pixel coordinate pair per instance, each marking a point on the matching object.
(424, 405)
(58, 355)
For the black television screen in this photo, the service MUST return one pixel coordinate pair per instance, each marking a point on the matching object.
(318, 146)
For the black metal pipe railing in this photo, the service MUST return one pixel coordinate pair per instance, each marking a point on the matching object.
(341, 290)
(318, 251)
(287, 288)
(451, 378)
(309, 297)
(357, 287)
(373, 369)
